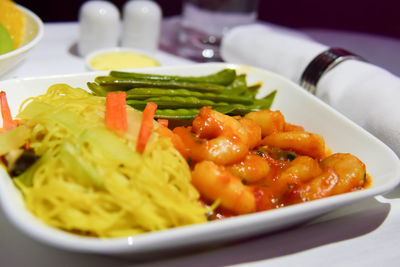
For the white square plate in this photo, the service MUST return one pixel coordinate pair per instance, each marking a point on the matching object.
(297, 105)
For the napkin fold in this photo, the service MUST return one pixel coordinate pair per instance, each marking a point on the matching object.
(365, 93)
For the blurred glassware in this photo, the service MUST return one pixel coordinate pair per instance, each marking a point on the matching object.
(99, 25)
(204, 22)
(141, 24)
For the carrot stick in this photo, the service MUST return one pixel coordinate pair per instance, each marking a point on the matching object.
(116, 118)
(146, 126)
(163, 122)
(8, 122)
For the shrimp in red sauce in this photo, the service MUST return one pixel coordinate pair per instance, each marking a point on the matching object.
(261, 162)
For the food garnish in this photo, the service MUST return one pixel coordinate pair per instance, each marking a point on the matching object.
(146, 125)
(116, 111)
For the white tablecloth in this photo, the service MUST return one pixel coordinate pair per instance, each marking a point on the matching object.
(362, 234)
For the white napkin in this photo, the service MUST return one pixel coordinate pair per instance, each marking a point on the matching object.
(365, 93)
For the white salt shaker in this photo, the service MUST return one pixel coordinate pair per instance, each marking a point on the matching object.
(141, 24)
(99, 23)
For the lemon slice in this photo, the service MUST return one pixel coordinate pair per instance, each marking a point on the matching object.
(6, 43)
(13, 19)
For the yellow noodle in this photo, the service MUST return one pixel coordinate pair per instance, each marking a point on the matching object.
(115, 191)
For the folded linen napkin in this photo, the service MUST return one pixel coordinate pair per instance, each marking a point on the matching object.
(365, 93)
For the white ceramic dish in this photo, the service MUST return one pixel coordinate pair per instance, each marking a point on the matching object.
(297, 105)
(34, 31)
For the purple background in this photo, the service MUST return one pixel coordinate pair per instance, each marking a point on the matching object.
(368, 16)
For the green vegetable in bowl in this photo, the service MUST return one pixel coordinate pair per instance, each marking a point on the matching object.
(6, 42)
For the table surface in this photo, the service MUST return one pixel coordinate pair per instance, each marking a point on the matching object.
(362, 234)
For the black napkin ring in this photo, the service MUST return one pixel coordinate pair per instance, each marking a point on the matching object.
(321, 64)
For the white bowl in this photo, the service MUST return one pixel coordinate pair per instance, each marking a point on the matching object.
(297, 105)
(34, 30)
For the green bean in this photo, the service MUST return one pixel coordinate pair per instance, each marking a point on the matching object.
(97, 89)
(258, 104)
(223, 77)
(265, 102)
(176, 102)
(143, 93)
(252, 90)
(113, 84)
(237, 87)
(174, 114)
(180, 113)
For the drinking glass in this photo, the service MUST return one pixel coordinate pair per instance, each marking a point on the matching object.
(204, 22)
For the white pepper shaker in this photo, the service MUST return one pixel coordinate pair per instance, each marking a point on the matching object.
(99, 26)
(141, 24)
